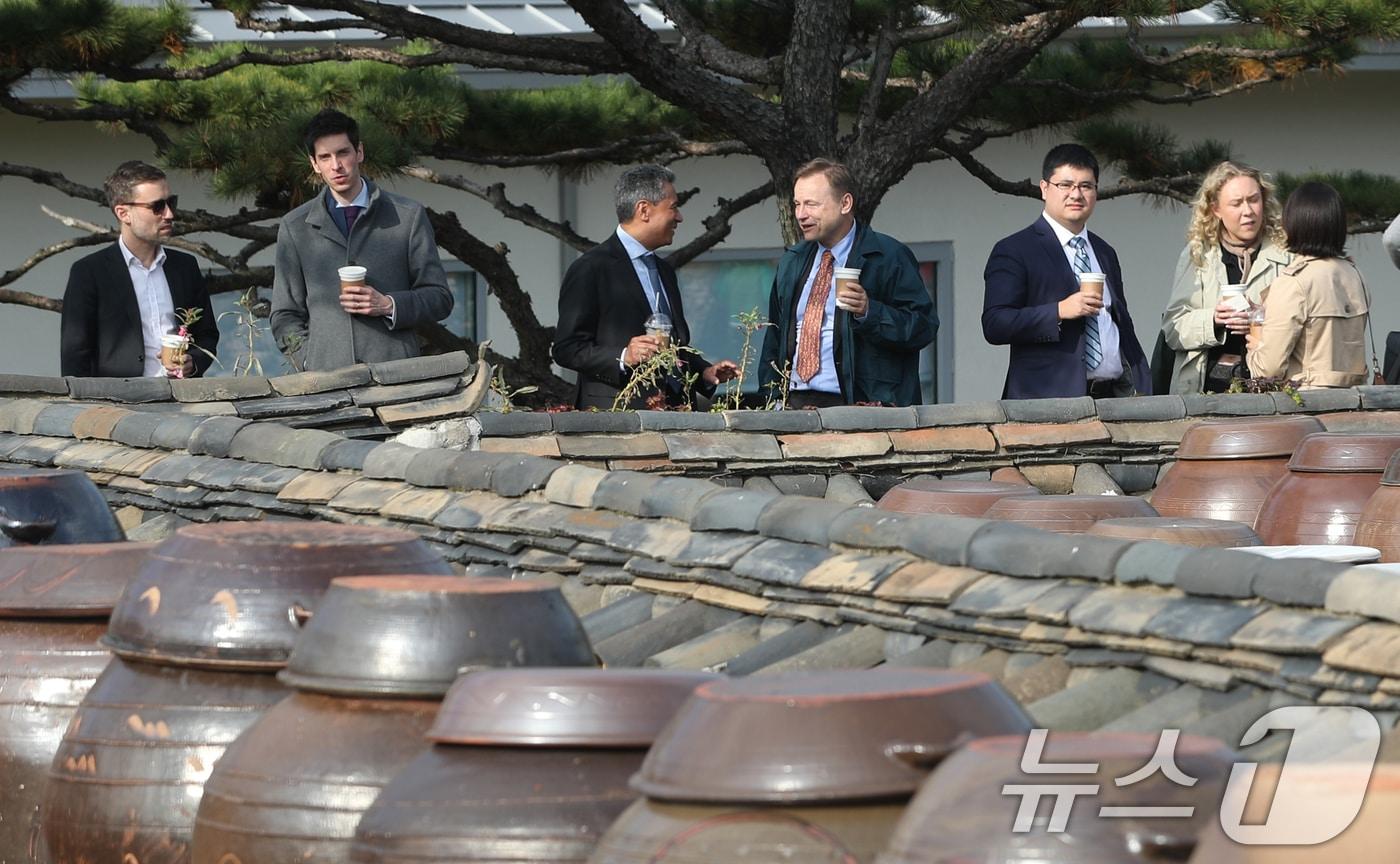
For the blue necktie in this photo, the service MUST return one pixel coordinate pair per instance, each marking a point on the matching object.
(351, 214)
(660, 304)
(1093, 351)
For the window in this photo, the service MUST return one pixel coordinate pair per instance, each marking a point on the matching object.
(468, 317)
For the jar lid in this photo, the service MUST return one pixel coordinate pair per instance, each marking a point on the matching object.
(1345, 452)
(1246, 438)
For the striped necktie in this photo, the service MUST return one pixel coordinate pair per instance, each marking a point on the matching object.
(1093, 351)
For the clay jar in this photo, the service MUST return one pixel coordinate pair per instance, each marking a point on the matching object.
(54, 601)
(198, 631)
(1379, 523)
(1224, 468)
(1067, 514)
(44, 505)
(527, 765)
(954, 497)
(1317, 794)
(813, 767)
(964, 813)
(1330, 478)
(1181, 530)
(295, 784)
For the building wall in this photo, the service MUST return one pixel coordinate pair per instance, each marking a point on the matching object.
(1322, 123)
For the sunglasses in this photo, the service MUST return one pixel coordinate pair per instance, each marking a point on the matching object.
(158, 206)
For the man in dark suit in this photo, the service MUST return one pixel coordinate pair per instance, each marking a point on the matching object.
(612, 289)
(121, 300)
(1064, 342)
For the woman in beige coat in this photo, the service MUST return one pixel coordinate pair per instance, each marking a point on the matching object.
(1315, 313)
(1235, 238)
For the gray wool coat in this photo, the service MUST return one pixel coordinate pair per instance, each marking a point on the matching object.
(393, 240)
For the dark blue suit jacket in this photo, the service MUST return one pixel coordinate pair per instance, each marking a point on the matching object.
(1027, 276)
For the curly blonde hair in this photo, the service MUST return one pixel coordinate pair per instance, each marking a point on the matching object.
(1203, 234)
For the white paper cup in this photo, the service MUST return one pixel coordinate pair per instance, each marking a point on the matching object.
(352, 275)
(1092, 283)
(1234, 296)
(841, 275)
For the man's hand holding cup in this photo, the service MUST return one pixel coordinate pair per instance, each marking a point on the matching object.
(1088, 300)
(849, 295)
(640, 349)
(358, 298)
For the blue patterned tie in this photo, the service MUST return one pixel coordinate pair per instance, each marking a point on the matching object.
(1093, 352)
(662, 305)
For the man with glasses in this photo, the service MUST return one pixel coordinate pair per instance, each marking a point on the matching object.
(120, 301)
(1064, 341)
(320, 322)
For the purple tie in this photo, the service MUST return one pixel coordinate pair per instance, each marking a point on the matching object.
(351, 214)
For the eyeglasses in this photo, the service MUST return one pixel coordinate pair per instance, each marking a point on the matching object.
(157, 207)
(1085, 188)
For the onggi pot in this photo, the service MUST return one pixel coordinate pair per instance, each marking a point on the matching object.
(950, 497)
(527, 765)
(1067, 514)
(813, 767)
(1330, 478)
(1224, 468)
(369, 672)
(49, 505)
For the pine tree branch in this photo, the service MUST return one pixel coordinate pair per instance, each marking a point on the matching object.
(54, 179)
(713, 98)
(877, 78)
(495, 195)
(105, 234)
(134, 120)
(340, 53)
(48, 252)
(499, 50)
(24, 298)
(1188, 96)
(928, 32)
(1215, 50)
(664, 147)
(705, 50)
(1179, 188)
(717, 224)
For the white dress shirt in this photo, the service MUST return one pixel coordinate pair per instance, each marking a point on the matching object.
(635, 252)
(1110, 368)
(825, 380)
(156, 308)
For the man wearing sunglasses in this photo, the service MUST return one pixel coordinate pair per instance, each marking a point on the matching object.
(121, 300)
(321, 324)
(1065, 341)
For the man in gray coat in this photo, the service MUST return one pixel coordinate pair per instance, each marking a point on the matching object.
(318, 324)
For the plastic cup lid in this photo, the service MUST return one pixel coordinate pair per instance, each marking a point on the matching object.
(352, 273)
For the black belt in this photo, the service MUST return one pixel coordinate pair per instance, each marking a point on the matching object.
(814, 399)
(1102, 388)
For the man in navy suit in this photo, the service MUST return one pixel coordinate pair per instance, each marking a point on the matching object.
(121, 300)
(611, 290)
(1064, 342)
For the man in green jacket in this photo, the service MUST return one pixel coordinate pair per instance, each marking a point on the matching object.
(855, 342)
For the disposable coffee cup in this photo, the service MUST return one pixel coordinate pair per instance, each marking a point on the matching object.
(351, 275)
(844, 275)
(173, 347)
(1092, 283)
(1234, 297)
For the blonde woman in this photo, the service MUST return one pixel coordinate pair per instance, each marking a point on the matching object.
(1235, 238)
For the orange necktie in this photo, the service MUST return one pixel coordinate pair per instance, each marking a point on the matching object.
(809, 344)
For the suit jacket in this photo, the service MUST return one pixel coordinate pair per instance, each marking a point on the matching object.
(394, 241)
(100, 333)
(877, 358)
(1027, 276)
(602, 305)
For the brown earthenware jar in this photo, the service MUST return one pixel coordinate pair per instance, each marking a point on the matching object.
(229, 595)
(1181, 530)
(46, 505)
(813, 767)
(295, 784)
(1330, 478)
(964, 812)
(527, 765)
(54, 601)
(1067, 514)
(1224, 468)
(208, 618)
(1314, 797)
(953, 497)
(1379, 523)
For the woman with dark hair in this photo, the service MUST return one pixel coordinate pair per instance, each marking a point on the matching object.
(1315, 312)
